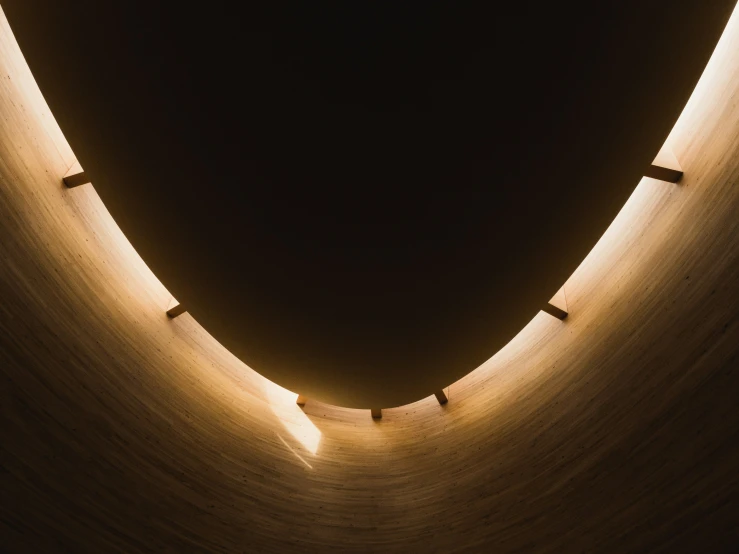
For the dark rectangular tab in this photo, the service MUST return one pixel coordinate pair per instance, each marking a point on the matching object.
(175, 309)
(76, 180)
(441, 397)
(557, 306)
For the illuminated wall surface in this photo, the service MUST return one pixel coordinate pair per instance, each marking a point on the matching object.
(616, 430)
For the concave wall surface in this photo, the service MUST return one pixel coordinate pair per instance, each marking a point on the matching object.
(616, 430)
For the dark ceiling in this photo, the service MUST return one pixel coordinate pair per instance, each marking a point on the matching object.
(364, 203)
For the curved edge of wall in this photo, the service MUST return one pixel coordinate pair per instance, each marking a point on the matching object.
(613, 430)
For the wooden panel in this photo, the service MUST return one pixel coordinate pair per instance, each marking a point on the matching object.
(120, 432)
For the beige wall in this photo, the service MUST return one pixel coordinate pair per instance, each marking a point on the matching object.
(122, 430)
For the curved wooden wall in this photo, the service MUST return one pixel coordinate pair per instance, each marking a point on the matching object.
(615, 431)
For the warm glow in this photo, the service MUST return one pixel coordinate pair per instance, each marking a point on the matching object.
(291, 449)
(293, 419)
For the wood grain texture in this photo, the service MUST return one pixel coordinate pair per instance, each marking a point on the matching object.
(616, 431)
